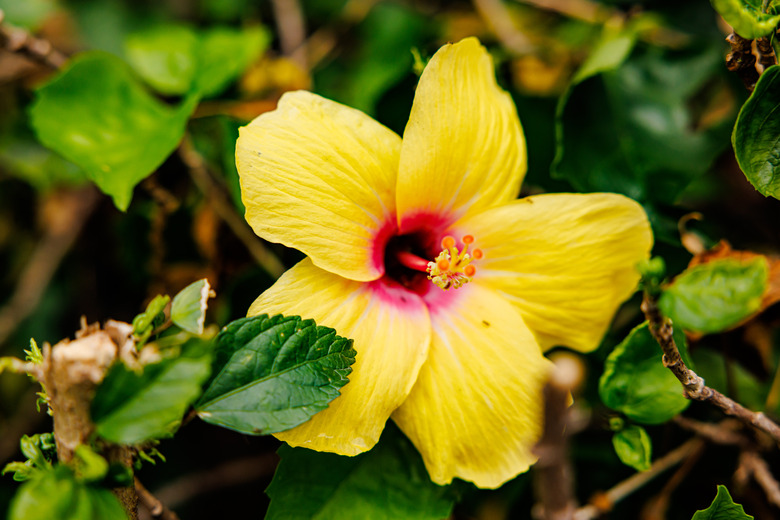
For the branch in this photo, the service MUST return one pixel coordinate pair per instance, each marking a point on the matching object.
(741, 60)
(224, 208)
(721, 433)
(766, 55)
(693, 385)
(152, 504)
(291, 27)
(499, 19)
(602, 503)
(21, 42)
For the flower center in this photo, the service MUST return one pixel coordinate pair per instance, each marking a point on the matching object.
(451, 268)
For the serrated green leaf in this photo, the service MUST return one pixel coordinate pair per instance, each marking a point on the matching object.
(633, 447)
(176, 59)
(714, 296)
(636, 383)
(111, 128)
(756, 137)
(722, 508)
(628, 125)
(273, 374)
(188, 309)
(387, 483)
(165, 57)
(57, 494)
(130, 408)
(747, 17)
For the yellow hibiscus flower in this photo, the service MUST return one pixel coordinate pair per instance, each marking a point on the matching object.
(381, 219)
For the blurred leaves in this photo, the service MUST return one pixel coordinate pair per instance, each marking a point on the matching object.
(717, 295)
(274, 373)
(188, 309)
(387, 483)
(722, 508)
(755, 136)
(633, 447)
(749, 18)
(176, 59)
(132, 406)
(112, 128)
(636, 383)
(57, 494)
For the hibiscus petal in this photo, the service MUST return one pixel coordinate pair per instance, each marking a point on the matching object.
(392, 332)
(320, 177)
(463, 148)
(476, 409)
(566, 261)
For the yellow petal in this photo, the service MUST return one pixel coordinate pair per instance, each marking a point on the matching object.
(566, 261)
(463, 147)
(476, 409)
(320, 177)
(392, 332)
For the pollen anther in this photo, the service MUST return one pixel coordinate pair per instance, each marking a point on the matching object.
(452, 268)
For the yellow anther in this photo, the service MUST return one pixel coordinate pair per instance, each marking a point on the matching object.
(452, 268)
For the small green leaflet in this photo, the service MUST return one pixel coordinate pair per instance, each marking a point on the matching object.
(636, 383)
(722, 508)
(756, 137)
(188, 309)
(717, 295)
(57, 494)
(112, 128)
(387, 483)
(176, 59)
(633, 447)
(131, 407)
(272, 374)
(747, 17)
(39, 449)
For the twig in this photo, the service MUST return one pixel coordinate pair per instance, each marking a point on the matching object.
(720, 433)
(72, 209)
(156, 508)
(655, 508)
(693, 385)
(766, 54)
(585, 10)
(226, 475)
(752, 464)
(499, 19)
(553, 473)
(224, 208)
(741, 60)
(21, 42)
(291, 28)
(604, 502)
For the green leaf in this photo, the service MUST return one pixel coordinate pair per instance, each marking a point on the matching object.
(56, 494)
(387, 483)
(756, 136)
(88, 465)
(273, 374)
(188, 309)
(152, 317)
(715, 296)
(130, 408)
(176, 59)
(164, 56)
(636, 383)
(722, 508)
(28, 13)
(747, 17)
(633, 447)
(630, 127)
(111, 128)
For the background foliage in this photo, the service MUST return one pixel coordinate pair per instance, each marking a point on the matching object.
(624, 96)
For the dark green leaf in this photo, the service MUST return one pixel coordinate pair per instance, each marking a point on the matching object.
(130, 408)
(633, 447)
(722, 508)
(747, 17)
(274, 373)
(112, 128)
(636, 383)
(632, 129)
(57, 495)
(188, 309)
(387, 483)
(717, 295)
(756, 136)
